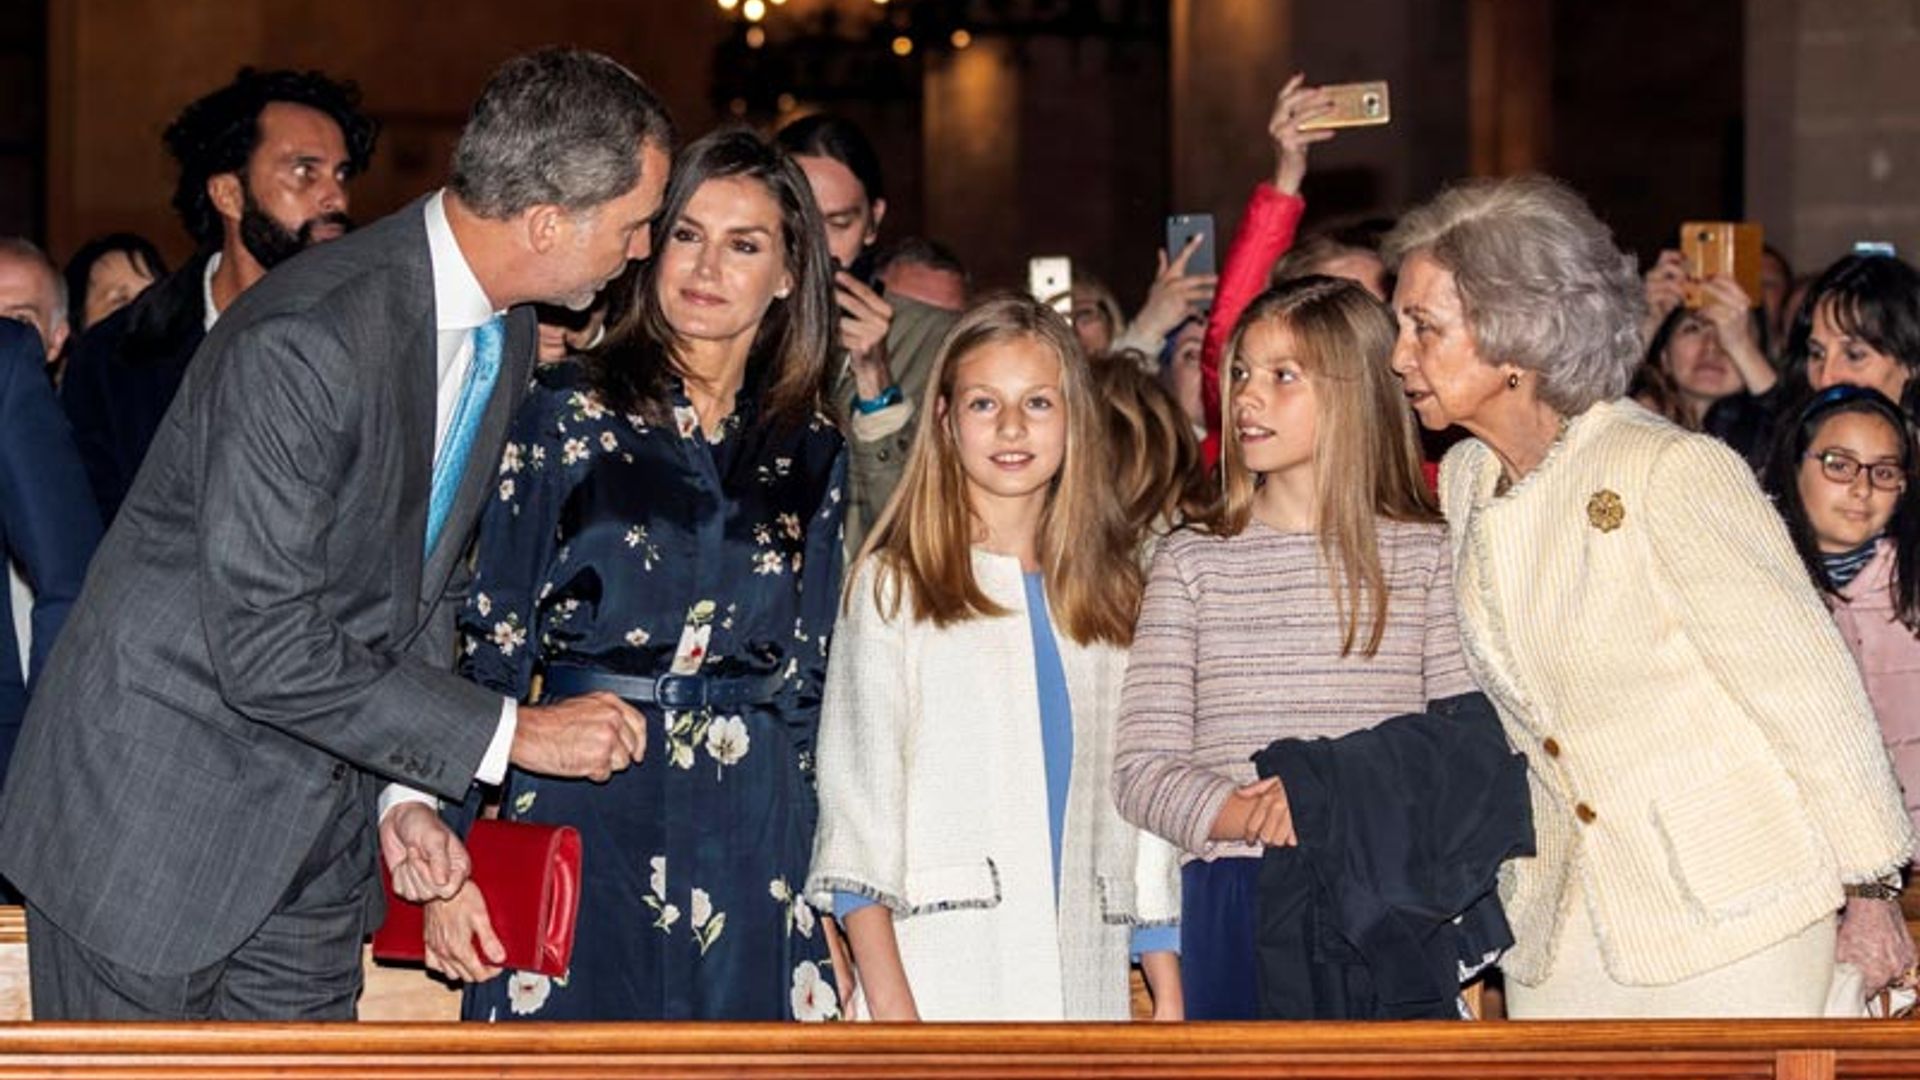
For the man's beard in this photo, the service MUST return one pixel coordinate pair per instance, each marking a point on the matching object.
(271, 243)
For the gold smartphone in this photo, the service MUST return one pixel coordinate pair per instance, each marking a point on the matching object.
(1361, 104)
(1721, 247)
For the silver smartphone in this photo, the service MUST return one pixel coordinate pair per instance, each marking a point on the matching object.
(1050, 281)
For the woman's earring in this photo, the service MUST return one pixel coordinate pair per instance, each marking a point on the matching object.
(1513, 381)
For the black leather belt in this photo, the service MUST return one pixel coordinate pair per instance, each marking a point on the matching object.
(667, 691)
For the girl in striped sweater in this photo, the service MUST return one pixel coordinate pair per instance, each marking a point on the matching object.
(1316, 601)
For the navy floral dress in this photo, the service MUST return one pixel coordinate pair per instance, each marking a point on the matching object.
(644, 549)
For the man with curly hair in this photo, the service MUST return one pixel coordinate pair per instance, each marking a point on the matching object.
(264, 165)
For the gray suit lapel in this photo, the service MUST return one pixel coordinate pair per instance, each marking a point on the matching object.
(483, 460)
(415, 315)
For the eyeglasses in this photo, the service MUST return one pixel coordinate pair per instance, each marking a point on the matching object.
(1841, 468)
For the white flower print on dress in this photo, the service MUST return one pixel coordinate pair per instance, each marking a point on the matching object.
(665, 914)
(586, 406)
(727, 739)
(813, 997)
(637, 538)
(574, 450)
(692, 650)
(511, 458)
(685, 732)
(799, 914)
(769, 562)
(509, 635)
(638, 637)
(527, 992)
(483, 604)
(790, 524)
(607, 441)
(523, 802)
(506, 490)
(707, 923)
(685, 420)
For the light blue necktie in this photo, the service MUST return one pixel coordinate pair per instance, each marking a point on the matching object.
(451, 465)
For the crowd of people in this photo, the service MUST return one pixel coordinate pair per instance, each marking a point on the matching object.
(1411, 597)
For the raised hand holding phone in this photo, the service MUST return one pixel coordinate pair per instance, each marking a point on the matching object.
(865, 318)
(1296, 105)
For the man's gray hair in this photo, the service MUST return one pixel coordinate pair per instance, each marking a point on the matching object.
(1541, 283)
(19, 247)
(560, 126)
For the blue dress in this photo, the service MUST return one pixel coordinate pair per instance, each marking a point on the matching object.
(641, 549)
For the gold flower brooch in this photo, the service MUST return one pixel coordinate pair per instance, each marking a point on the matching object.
(1605, 511)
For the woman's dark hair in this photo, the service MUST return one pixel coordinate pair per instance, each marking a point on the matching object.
(1873, 298)
(787, 365)
(139, 251)
(1903, 529)
(219, 132)
(828, 136)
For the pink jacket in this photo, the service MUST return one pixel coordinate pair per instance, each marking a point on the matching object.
(1889, 658)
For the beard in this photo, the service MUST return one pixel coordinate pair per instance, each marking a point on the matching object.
(271, 243)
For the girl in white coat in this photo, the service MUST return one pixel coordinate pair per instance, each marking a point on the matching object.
(968, 841)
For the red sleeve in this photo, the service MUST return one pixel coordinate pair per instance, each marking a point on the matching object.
(1266, 232)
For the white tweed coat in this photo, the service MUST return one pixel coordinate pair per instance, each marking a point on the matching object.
(1706, 768)
(933, 801)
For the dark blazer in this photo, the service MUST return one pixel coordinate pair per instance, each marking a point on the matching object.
(122, 374)
(48, 525)
(1402, 829)
(259, 626)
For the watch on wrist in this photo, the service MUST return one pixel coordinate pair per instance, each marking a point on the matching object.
(1887, 887)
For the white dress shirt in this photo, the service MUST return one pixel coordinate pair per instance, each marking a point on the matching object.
(460, 306)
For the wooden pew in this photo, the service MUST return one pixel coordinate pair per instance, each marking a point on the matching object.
(1694, 1050)
(1698, 1050)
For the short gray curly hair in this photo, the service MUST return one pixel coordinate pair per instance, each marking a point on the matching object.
(1541, 283)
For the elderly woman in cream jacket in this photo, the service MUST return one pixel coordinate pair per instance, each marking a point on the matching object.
(1708, 781)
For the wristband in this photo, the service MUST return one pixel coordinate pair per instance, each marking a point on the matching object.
(886, 398)
(1886, 888)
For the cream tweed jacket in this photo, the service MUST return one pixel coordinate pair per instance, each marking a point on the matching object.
(1706, 768)
(933, 801)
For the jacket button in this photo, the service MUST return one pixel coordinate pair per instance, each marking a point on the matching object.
(1551, 747)
(339, 771)
(1584, 813)
(884, 455)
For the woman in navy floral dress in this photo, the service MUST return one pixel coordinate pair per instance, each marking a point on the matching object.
(672, 507)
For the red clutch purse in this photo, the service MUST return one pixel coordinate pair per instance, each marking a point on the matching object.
(530, 877)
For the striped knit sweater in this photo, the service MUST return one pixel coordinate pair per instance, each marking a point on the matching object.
(1706, 769)
(1238, 644)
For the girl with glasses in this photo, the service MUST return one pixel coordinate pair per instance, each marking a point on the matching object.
(1841, 476)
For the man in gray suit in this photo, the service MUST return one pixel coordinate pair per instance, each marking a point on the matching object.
(266, 636)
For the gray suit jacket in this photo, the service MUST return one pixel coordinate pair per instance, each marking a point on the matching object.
(259, 625)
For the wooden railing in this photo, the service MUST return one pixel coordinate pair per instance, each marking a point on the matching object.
(1696, 1050)
(1709, 1051)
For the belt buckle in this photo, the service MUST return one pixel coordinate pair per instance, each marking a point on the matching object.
(680, 691)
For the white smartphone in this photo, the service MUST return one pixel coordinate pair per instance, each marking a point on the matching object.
(1050, 280)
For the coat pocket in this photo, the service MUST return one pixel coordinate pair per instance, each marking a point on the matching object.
(1737, 842)
(161, 725)
(953, 887)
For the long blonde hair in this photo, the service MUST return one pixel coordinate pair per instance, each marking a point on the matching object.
(1365, 451)
(922, 544)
